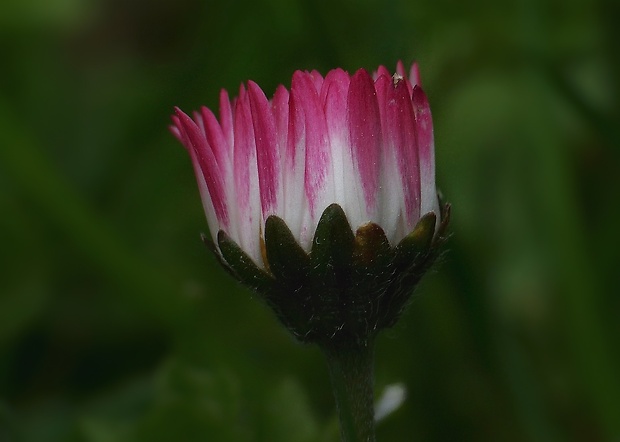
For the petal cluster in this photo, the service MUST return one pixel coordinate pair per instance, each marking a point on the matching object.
(362, 141)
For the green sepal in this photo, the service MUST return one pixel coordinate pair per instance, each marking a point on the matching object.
(348, 287)
(329, 278)
(287, 261)
(332, 246)
(372, 261)
(243, 267)
(371, 246)
(415, 246)
(372, 274)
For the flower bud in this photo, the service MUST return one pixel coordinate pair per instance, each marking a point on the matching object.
(322, 199)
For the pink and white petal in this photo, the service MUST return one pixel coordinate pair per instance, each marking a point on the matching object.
(348, 188)
(414, 75)
(382, 82)
(267, 155)
(402, 73)
(206, 161)
(216, 138)
(226, 119)
(212, 221)
(381, 70)
(400, 69)
(426, 152)
(176, 130)
(391, 192)
(402, 135)
(334, 99)
(207, 204)
(279, 105)
(198, 120)
(365, 137)
(248, 208)
(222, 152)
(319, 180)
(293, 171)
(317, 80)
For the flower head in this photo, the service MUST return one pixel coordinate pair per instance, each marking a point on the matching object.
(286, 181)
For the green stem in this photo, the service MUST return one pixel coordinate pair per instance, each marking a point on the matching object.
(351, 373)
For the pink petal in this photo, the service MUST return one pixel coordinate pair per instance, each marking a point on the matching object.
(206, 160)
(347, 181)
(402, 73)
(317, 79)
(319, 182)
(216, 138)
(381, 70)
(400, 69)
(198, 120)
(426, 151)
(266, 151)
(390, 191)
(279, 106)
(334, 99)
(365, 145)
(175, 128)
(382, 83)
(414, 75)
(401, 134)
(226, 118)
(365, 136)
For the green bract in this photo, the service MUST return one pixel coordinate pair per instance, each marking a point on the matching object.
(349, 287)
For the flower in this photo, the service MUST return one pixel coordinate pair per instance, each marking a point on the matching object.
(283, 179)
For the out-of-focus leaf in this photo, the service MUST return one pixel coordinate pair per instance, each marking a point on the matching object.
(289, 416)
(195, 404)
(94, 430)
(19, 306)
(19, 14)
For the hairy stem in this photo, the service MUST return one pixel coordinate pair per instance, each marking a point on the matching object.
(351, 372)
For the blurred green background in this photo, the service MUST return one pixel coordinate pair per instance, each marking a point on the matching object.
(116, 324)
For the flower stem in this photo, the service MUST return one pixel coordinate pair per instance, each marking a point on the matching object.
(351, 373)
